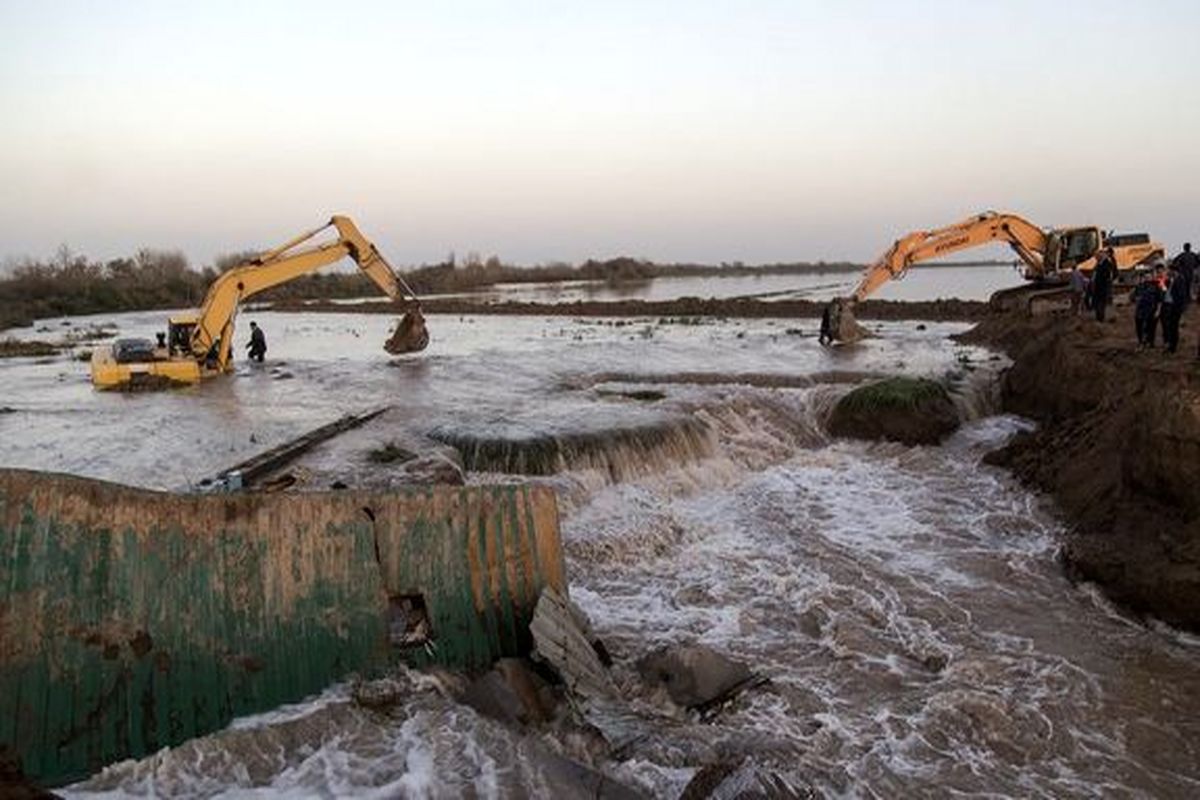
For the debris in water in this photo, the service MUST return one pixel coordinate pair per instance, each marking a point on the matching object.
(14, 348)
(644, 395)
(512, 693)
(384, 693)
(563, 642)
(252, 470)
(389, 453)
(696, 676)
(740, 779)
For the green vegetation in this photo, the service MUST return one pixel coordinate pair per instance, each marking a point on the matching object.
(893, 393)
(71, 284)
(909, 410)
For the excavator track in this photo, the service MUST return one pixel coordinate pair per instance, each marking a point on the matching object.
(1037, 299)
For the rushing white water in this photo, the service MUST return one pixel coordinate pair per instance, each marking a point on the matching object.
(906, 603)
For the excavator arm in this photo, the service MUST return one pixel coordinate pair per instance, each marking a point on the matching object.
(1028, 240)
(292, 260)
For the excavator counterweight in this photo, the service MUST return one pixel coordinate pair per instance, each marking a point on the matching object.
(199, 345)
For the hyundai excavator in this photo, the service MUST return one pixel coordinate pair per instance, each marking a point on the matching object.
(1049, 256)
(198, 345)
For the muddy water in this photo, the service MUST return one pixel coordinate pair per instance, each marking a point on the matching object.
(922, 283)
(906, 603)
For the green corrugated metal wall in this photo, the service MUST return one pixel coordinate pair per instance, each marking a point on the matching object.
(131, 620)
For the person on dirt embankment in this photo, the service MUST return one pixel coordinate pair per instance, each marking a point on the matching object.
(1102, 281)
(1147, 297)
(1188, 263)
(1079, 290)
(1173, 304)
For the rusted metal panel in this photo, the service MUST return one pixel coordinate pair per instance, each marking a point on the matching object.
(131, 620)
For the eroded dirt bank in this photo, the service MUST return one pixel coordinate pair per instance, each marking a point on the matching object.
(1118, 446)
(930, 310)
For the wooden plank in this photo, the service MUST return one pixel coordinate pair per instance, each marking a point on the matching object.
(254, 468)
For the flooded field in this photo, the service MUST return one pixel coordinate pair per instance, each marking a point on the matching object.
(921, 283)
(906, 603)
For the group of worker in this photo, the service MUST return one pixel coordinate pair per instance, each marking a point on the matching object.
(1161, 297)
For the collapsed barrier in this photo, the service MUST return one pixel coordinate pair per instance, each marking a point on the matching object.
(131, 620)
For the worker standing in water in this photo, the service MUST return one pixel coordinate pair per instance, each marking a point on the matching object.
(258, 343)
(826, 336)
(1102, 281)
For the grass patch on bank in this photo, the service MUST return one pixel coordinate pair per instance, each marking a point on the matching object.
(898, 392)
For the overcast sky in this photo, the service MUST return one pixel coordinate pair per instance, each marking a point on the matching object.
(697, 131)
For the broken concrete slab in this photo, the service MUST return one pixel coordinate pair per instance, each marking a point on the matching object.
(561, 641)
(695, 676)
(384, 454)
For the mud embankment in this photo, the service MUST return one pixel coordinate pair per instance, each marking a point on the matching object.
(1119, 448)
(930, 310)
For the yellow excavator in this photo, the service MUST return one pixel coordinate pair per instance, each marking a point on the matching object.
(199, 345)
(1049, 256)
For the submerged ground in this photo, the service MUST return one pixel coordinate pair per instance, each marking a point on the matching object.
(907, 603)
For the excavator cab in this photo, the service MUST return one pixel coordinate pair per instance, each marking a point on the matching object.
(1078, 245)
(179, 334)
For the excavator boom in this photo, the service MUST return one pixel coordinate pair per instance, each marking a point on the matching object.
(1048, 256)
(1025, 238)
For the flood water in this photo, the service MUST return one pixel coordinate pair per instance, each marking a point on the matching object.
(906, 603)
(920, 283)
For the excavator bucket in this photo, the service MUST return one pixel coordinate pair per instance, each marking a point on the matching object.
(410, 336)
(843, 327)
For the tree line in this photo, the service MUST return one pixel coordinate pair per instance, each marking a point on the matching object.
(72, 284)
